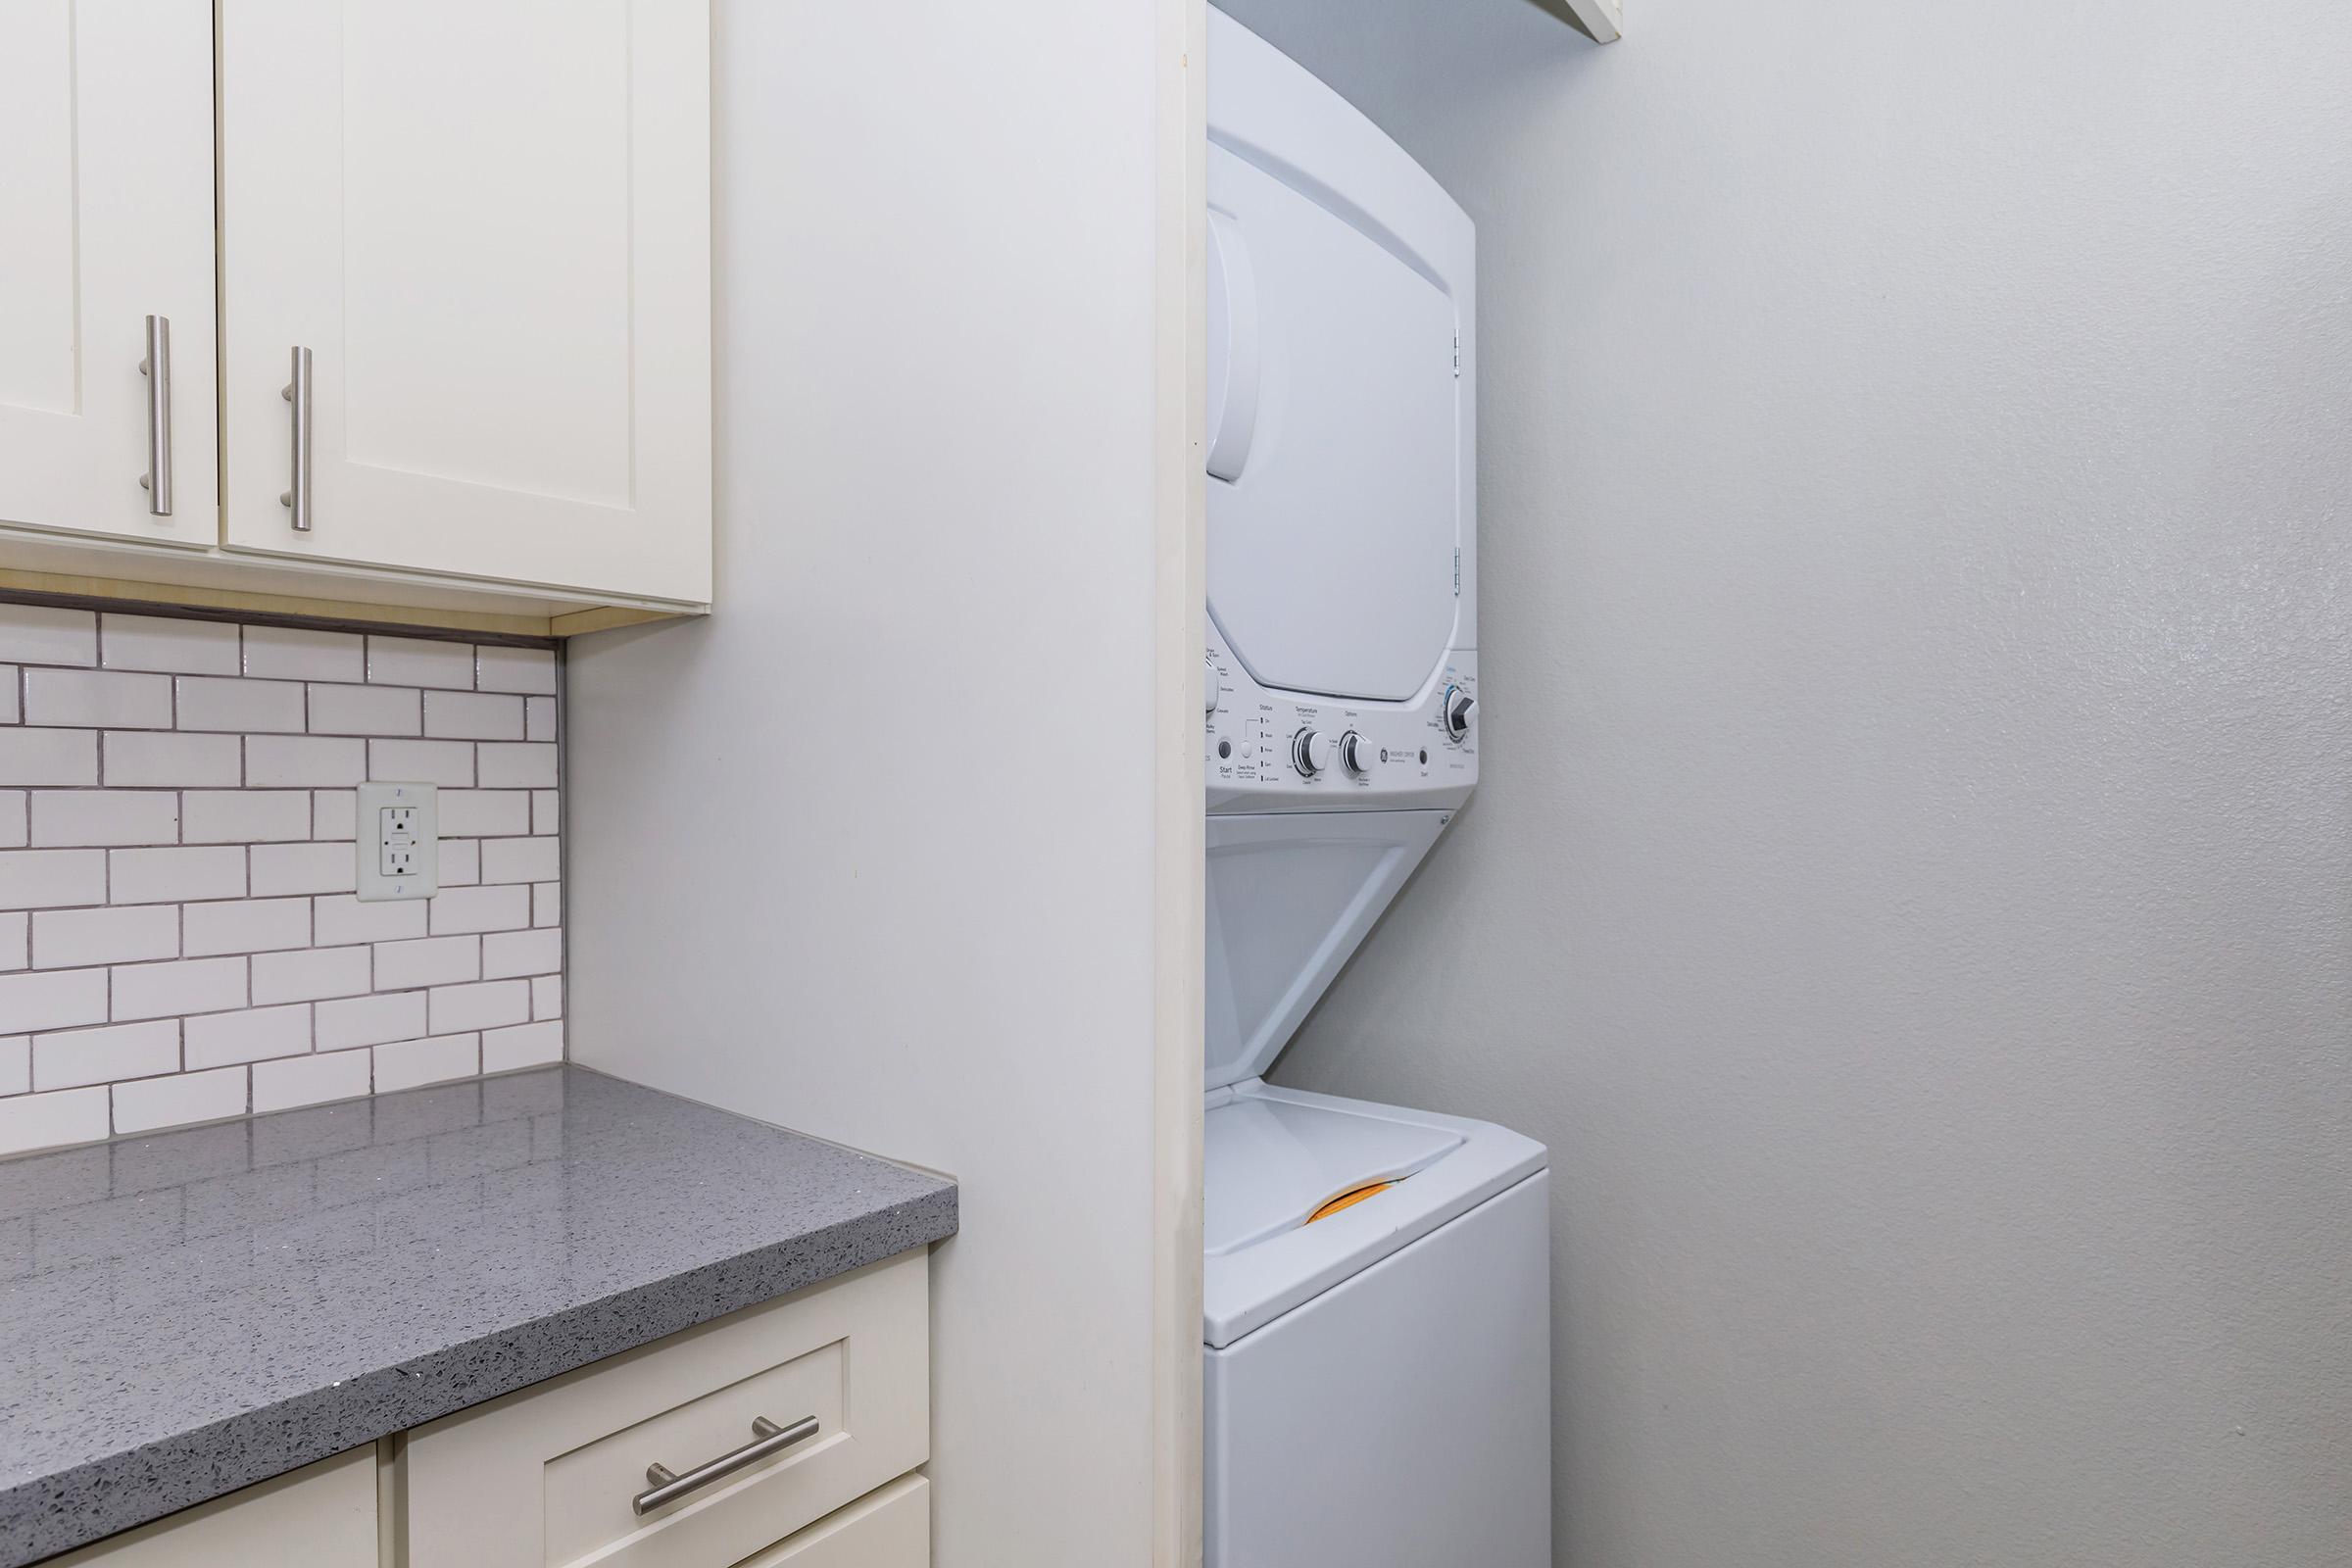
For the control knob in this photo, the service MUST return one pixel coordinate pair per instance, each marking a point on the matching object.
(1458, 704)
(1310, 751)
(1211, 682)
(1355, 753)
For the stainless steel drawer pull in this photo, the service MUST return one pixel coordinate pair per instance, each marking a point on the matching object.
(767, 1439)
(157, 368)
(298, 392)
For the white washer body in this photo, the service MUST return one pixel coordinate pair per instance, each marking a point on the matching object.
(1377, 1389)
(1378, 1383)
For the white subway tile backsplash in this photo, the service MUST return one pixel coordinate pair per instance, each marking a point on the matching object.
(343, 919)
(448, 763)
(79, 939)
(521, 764)
(501, 908)
(335, 814)
(419, 661)
(279, 868)
(366, 710)
(49, 1121)
(54, 999)
(461, 862)
(154, 760)
(297, 652)
(175, 988)
(177, 936)
(484, 814)
(36, 634)
(246, 925)
(30, 756)
(169, 643)
(516, 669)
(509, 954)
(251, 1034)
(523, 1046)
(412, 1063)
(490, 1005)
(434, 962)
(72, 819)
(49, 879)
(371, 1020)
(473, 716)
(79, 1056)
(97, 698)
(318, 761)
(310, 976)
(533, 859)
(244, 816)
(209, 702)
(182, 1098)
(174, 876)
(310, 1080)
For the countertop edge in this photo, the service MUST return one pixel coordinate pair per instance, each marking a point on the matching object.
(56, 1513)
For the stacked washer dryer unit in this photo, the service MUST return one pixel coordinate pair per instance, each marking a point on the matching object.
(1377, 1291)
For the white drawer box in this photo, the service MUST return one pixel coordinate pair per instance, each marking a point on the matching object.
(545, 1478)
(892, 1529)
(321, 1516)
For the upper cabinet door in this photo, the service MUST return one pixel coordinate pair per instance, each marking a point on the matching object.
(106, 219)
(487, 224)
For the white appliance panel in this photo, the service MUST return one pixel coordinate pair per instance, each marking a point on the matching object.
(1289, 899)
(1402, 1418)
(1269, 1164)
(1384, 757)
(1335, 499)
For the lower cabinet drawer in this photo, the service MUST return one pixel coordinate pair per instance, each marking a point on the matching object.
(321, 1516)
(892, 1529)
(550, 1475)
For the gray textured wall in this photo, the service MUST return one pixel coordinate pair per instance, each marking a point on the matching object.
(1911, 889)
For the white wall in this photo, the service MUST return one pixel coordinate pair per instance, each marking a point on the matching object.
(872, 853)
(1911, 888)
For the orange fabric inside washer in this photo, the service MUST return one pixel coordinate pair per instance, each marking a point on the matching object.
(1349, 1200)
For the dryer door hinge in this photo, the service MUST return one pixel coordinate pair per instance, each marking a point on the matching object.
(1457, 572)
(1457, 355)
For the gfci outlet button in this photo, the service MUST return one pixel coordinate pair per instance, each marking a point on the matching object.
(400, 841)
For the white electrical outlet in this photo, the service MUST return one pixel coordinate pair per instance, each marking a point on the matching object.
(400, 841)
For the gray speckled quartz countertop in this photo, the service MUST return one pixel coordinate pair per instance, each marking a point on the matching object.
(192, 1312)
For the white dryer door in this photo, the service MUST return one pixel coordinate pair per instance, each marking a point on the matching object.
(1290, 897)
(1335, 494)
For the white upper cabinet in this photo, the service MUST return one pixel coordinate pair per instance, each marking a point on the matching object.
(487, 225)
(106, 219)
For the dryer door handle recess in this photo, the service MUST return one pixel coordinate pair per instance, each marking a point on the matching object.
(1233, 356)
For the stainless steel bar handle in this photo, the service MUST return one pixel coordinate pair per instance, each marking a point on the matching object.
(157, 368)
(767, 1439)
(298, 392)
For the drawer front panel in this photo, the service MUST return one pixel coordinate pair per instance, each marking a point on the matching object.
(892, 1529)
(588, 1491)
(321, 1516)
(544, 1477)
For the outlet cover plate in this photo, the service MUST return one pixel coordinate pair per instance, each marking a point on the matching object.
(400, 841)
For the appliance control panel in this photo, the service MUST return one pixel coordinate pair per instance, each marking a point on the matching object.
(1271, 751)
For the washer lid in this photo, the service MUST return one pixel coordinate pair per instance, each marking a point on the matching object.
(1290, 897)
(1334, 497)
(1270, 1164)
(1265, 1149)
